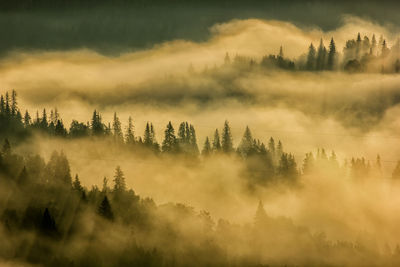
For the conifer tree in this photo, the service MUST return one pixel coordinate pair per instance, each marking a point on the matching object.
(105, 209)
(216, 142)
(76, 185)
(373, 45)
(148, 138)
(332, 55)
(226, 142)
(119, 180)
(27, 119)
(130, 134)
(206, 148)
(261, 216)
(14, 104)
(96, 124)
(311, 58)
(321, 56)
(271, 146)
(48, 225)
(169, 143)
(117, 129)
(194, 149)
(246, 146)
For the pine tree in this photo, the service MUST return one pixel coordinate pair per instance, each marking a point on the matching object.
(27, 119)
(281, 52)
(169, 144)
(182, 138)
(194, 149)
(148, 138)
(311, 60)
(44, 123)
(97, 125)
(105, 188)
(117, 129)
(130, 134)
(332, 55)
(60, 129)
(279, 149)
(14, 104)
(119, 180)
(105, 209)
(261, 216)
(76, 185)
(320, 63)
(308, 163)
(206, 148)
(226, 143)
(246, 146)
(373, 45)
(271, 146)
(216, 142)
(48, 225)
(358, 46)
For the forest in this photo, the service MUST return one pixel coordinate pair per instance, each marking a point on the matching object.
(199, 133)
(80, 226)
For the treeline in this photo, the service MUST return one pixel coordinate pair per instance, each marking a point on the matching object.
(264, 163)
(362, 54)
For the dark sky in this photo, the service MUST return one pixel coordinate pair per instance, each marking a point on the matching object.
(115, 26)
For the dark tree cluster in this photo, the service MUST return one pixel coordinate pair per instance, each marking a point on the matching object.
(359, 55)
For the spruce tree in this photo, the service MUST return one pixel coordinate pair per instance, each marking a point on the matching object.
(332, 55)
(117, 129)
(194, 149)
(216, 142)
(76, 185)
(169, 143)
(320, 62)
(105, 209)
(261, 216)
(311, 59)
(246, 146)
(27, 119)
(119, 180)
(271, 146)
(226, 143)
(130, 134)
(206, 148)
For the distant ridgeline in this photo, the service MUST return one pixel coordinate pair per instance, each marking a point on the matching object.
(359, 55)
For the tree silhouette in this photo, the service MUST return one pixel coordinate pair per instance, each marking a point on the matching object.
(169, 143)
(216, 142)
(206, 148)
(119, 180)
(311, 58)
(226, 142)
(105, 209)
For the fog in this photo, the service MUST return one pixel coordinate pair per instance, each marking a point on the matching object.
(356, 115)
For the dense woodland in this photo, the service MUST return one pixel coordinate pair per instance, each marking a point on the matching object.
(77, 226)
